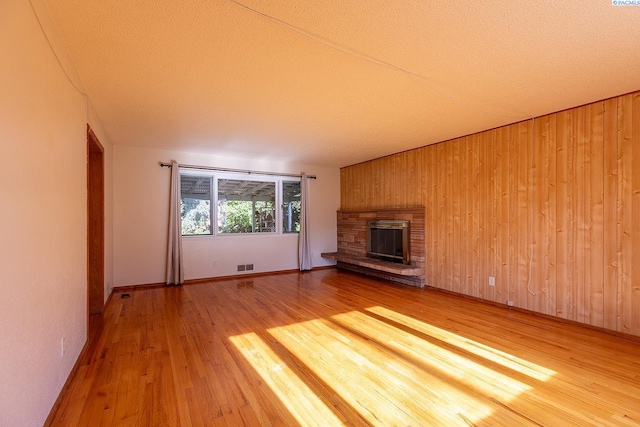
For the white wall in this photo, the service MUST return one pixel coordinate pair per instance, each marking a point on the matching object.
(43, 121)
(141, 204)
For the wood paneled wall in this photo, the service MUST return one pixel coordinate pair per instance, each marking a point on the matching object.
(550, 207)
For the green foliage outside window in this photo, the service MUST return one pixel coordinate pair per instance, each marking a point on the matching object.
(235, 217)
(196, 216)
(242, 216)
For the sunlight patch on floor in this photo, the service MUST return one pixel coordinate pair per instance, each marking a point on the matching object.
(298, 398)
(385, 372)
(384, 389)
(451, 366)
(507, 360)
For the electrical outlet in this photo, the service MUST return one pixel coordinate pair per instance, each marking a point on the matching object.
(510, 303)
(241, 267)
(214, 263)
(63, 344)
(492, 281)
(249, 267)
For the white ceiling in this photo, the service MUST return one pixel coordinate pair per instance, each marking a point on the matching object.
(336, 82)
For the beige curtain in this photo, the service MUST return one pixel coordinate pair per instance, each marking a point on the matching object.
(304, 244)
(175, 270)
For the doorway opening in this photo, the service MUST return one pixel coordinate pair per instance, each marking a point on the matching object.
(95, 225)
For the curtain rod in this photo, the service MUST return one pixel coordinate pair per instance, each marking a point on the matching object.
(249, 172)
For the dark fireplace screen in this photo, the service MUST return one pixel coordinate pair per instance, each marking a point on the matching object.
(388, 240)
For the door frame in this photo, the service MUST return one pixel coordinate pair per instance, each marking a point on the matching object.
(95, 224)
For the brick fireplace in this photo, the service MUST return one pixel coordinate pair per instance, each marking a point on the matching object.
(352, 245)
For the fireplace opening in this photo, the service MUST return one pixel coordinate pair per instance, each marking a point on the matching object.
(388, 240)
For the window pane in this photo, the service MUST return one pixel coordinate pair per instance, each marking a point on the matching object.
(246, 206)
(195, 205)
(290, 207)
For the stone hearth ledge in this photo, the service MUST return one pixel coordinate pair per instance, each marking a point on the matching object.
(375, 264)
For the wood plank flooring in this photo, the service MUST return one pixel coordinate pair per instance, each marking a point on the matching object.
(329, 348)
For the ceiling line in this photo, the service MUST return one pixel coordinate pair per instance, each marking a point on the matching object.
(373, 60)
(55, 54)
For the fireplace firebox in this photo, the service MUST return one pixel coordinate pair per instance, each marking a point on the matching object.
(388, 240)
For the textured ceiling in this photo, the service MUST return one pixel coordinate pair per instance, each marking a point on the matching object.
(334, 82)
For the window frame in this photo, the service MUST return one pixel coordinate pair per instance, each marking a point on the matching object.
(215, 176)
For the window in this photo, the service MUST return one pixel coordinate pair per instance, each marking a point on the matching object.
(246, 206)
(195, 204)
(290, 207)
(239, 203)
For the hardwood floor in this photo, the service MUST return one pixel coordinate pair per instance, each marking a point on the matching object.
(332, 348)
